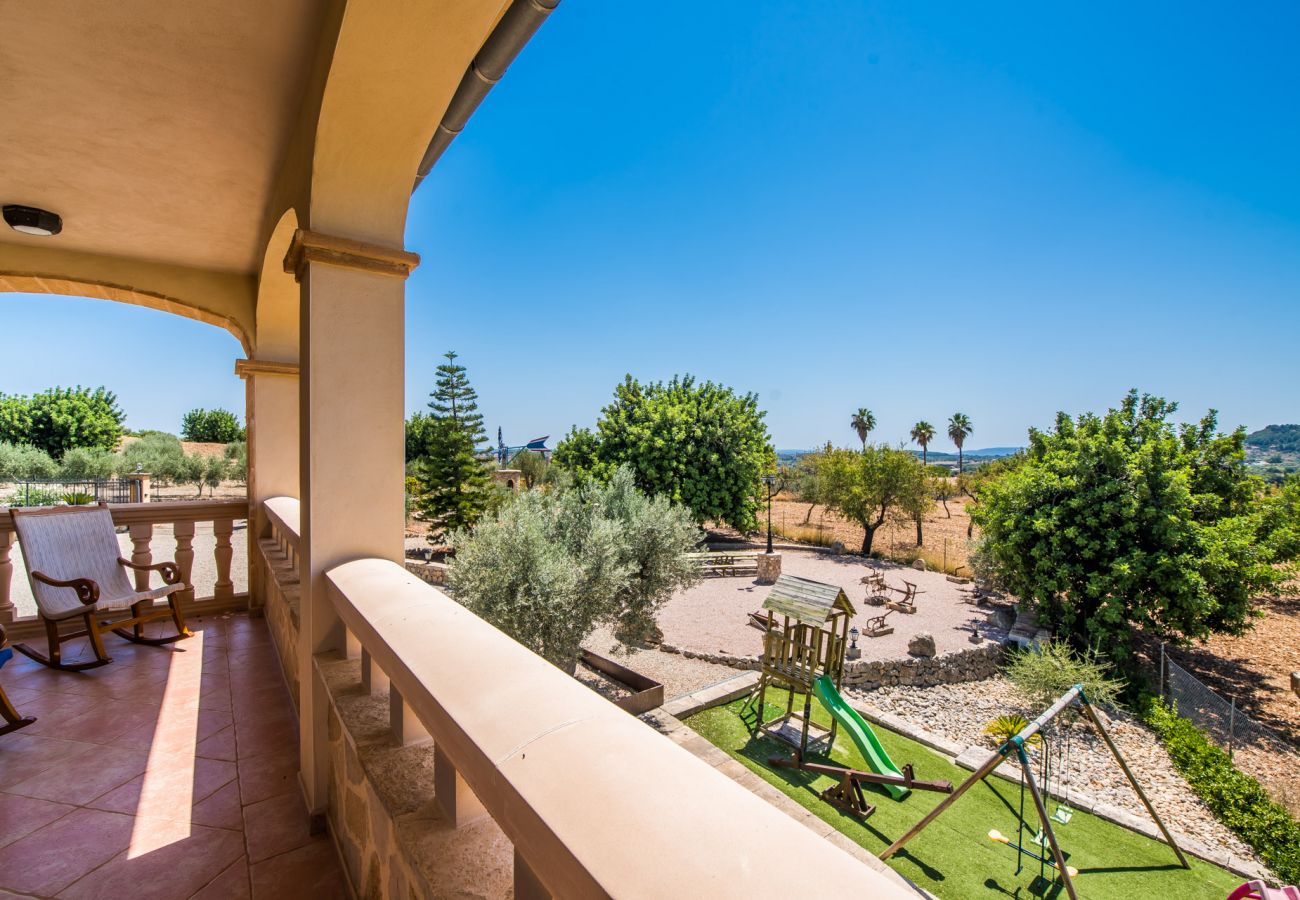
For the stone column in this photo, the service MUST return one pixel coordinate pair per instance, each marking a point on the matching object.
(351, 409)
(769, 567)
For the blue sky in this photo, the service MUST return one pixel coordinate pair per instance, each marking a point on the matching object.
(918, 208)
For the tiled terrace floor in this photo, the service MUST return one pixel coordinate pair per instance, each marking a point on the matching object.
(170, 773)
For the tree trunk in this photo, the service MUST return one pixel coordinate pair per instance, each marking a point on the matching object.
(808, 516)
(919, 539)
(961, 464)
(945, 507)
(866, 541)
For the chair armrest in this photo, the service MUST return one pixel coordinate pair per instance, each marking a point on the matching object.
(171, 573)
(87, 590)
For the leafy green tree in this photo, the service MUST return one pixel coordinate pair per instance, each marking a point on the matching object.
(552, 566)
(872, 486)
(1116, 522)
(863, 422)
(923, 433)
(58, 419)
(215, 470)
(698, 444)
(455, 485)
(211, 426)
(193, 469)
(959, 428)
(417, 436)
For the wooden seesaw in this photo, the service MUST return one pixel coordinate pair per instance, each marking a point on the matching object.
(847, 794)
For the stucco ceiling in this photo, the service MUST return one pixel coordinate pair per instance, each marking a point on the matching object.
(154, 129)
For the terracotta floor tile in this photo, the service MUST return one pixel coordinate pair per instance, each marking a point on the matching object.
(223, 809)
(276, 826)
(98, 773)
(267, 775)
(28, 755)
(231, 884)
(256, 739)
(208, 775)
(208, 723)
(219, 746)
(20, 816)
(109, 719)
(53, 857)
(312, 871)
(178, 869)
(51, 709)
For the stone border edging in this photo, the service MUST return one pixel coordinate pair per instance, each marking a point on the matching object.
(970, 758)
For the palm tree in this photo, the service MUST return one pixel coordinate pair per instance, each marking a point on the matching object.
(864, 420)
(959, 427)
(923, 433)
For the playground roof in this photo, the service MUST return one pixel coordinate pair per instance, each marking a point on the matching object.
(810, 602)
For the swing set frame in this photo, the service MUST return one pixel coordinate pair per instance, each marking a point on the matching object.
(1015, 746)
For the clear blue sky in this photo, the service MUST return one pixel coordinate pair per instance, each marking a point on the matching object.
(918, 208)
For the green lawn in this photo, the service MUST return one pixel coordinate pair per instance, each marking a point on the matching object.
(953, 857)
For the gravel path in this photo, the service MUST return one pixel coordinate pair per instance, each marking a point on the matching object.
(959, 712)
(712, 616)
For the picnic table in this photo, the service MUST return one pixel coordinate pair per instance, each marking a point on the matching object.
(722, 563)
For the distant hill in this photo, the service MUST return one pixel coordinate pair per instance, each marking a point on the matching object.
(788, 457)
(1280, 438)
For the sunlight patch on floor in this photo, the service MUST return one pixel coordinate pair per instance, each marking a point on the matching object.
(162, 814)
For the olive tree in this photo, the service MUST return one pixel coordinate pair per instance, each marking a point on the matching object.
(873, 486)
(552, 566)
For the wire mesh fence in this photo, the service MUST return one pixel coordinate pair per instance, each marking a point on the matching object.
(1219, 718)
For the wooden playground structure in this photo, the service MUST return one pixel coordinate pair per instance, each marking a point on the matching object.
(805, 655)
(1015, 747)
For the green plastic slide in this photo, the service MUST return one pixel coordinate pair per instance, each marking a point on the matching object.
(857, 728)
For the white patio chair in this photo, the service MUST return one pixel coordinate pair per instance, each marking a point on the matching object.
(76, 570)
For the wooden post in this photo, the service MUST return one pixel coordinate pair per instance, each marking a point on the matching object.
(978, 775)
(1137, 788)
(1062, 872)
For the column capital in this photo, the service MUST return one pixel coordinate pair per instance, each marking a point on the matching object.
(314, 246)
(247, 367)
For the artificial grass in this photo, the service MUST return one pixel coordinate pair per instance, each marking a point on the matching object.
(953, 857)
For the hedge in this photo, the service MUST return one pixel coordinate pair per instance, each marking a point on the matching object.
(1239, 801)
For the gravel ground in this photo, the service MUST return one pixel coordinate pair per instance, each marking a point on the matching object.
(959, 712)
(203, 575)
(712, 616)
(675, 672)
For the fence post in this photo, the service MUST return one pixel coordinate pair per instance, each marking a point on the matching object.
(1162, 670)
(1232, 725)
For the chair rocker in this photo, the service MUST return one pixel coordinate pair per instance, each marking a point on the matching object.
(11, 720)
(76, 570)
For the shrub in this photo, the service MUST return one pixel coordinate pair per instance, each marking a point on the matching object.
(77, 498)
(1004, 728)
(33, 496)
(552, 566)
(1239, 801)
(159, 454)
(20, 462)
(211, 426)
(1045, 673)
(85, 464)
(237, 461)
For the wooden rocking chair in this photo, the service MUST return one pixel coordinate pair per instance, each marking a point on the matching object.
(12, 721)
(76, 570)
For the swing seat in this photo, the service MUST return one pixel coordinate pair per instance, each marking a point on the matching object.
(1063, 814)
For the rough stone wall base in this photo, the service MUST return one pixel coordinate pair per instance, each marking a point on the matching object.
(281, 610)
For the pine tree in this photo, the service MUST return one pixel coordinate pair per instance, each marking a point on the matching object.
(455, 485)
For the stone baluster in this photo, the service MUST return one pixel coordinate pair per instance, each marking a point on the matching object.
(7, 610)
(185, 555)
(141, 554)
(405, 725)
(224, 588)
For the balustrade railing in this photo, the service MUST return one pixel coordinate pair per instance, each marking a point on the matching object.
(140, 520)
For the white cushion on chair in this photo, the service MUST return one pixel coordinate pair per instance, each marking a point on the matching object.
(77, 542)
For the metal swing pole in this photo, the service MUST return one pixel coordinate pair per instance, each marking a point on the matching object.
(1062, 872)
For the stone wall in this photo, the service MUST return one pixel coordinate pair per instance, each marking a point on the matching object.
(432, 572)
(281, 589)
(393, 838)
(974, 664)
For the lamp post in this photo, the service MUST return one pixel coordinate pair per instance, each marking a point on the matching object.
(772, 491)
